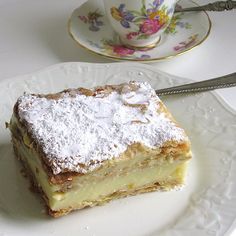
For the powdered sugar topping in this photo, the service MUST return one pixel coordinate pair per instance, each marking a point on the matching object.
(78, 132)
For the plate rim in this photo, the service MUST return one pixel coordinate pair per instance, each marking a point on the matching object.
(42, 69)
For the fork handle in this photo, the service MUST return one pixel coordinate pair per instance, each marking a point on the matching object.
(206, 85)
(215, 6)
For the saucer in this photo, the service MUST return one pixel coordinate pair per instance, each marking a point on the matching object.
(90, 28)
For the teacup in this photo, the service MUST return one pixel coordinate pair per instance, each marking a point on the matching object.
(139, 23)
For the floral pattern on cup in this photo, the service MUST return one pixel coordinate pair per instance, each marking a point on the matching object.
(148, 21)
(177, 21)
(182, 46)
(111, 47)
(93, 20)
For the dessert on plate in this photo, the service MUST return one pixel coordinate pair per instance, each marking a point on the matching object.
(84, 147)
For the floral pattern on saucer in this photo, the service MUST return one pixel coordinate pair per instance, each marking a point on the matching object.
(92, 19)
(177, 21)
(115, 48)
(90, 27)
(186, 44)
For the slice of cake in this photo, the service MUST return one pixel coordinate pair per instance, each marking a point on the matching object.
(85, 147)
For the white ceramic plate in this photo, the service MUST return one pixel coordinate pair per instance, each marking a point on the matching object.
(205, 206)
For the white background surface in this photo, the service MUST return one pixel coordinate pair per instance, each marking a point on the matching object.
(33, 35)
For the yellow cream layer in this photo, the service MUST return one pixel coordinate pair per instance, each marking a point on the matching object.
(97, 190)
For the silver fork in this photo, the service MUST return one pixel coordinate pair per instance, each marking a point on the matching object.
(225, 81)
